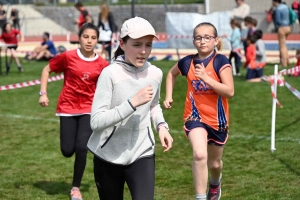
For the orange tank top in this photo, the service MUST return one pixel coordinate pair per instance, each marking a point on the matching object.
(203, 103)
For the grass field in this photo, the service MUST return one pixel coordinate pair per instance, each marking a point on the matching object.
(32, 167)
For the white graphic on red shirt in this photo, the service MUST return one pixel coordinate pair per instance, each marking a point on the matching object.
(85, 75)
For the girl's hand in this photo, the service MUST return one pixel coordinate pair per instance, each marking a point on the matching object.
(200, 72)
(166, 139)
(142, 97)
(44, 101)
(168, 103)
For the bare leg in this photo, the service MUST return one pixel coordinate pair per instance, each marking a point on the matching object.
(14, 55)
(34, 53)
(198, 140)
(41, 54)
(214, 162)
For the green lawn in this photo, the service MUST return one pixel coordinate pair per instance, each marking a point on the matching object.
(32, 167)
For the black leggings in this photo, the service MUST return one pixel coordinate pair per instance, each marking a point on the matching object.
(139, 176)
(237, 61)
(75, 132)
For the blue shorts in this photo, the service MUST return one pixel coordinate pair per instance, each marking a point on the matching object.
(254, 73)
(218, 138)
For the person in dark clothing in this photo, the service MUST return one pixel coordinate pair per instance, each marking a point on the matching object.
(14, 17)
(296, 7)
(107, 28)
(2, 16)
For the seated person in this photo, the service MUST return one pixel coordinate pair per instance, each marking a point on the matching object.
(260, 57)
(46, 51)
(250, 63)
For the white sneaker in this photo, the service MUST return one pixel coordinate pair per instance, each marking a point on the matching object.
(75, 194)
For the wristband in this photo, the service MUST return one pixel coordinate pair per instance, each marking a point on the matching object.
(164, 124)
(42, 93)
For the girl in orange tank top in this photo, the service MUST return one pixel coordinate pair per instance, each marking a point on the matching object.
(206, 112)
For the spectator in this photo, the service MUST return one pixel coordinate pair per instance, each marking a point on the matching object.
(250, 63)
(245, 32)
(260, 57)
(282, 21)
(14, 17)
(2, 16)
(84, 16)
(241, 10)
(10, 37)
(297, 73)
(236, 45)
(296, 7)
(108, 29)
(45, 51)
(252, 26)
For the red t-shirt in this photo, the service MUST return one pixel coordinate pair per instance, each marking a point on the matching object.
(11, 37)
(251, 57)
(80, 79)
(82, 18)
(298, 62)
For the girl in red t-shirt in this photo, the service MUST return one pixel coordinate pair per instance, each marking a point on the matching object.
(81, 68)
(10, 38)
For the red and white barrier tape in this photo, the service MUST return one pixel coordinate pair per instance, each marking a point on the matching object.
(293, 90)
(290, 71)
(281, 82)
(30, 83)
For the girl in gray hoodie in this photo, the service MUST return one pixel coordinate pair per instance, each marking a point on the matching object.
(125, 102)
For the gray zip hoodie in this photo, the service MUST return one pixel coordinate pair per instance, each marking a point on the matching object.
(121, 133)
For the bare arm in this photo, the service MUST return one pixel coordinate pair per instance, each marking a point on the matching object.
(44, 47)
(170, 83)
(44, 101)
(22, 37)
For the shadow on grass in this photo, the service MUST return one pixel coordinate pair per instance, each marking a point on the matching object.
(287, 165)
(287, 125)
(55, 187)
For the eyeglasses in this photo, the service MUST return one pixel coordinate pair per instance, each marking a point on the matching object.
(206, 38)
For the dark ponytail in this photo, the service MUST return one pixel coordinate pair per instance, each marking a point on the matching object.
(120, 51)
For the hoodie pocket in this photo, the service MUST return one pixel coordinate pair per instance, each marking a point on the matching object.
(149, 135)
(113, 131)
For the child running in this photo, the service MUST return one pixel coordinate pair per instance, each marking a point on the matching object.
(10, 38)
(125, 102)
(206, 112)
(81, 68)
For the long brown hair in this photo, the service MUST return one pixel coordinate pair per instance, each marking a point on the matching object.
(120, 51)
(104, 11)
(220, 44)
